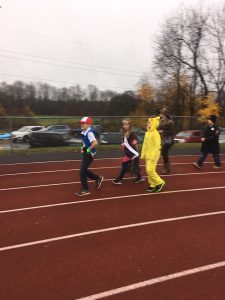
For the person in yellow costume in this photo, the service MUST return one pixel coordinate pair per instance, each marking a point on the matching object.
(151, 152)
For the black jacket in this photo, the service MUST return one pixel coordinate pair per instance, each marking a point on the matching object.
(167, 128)
(130, 140)
(211, 143)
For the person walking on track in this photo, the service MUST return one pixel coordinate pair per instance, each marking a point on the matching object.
(151, 152)
(130, 160)
(166, 130)
(210, 144)
(88, 153)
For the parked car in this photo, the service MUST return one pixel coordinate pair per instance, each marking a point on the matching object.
(24, 133)
(188, 136)
(57, 135)
(5, 136)
(59, 128)
(116, 137)
(49, 138)
(222, 138)
(111, 138)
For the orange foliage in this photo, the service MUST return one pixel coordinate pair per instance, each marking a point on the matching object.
(208, 107)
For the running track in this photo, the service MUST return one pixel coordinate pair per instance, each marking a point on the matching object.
(116, 243)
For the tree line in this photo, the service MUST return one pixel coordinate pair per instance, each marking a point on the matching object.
(24, 99)
(187, 76)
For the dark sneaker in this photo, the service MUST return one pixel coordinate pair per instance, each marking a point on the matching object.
(216, 167)
(99, 182)
(196, 165)
(159, 187)
(137, 180)
(116, 181)
(82, 193)
(150, 189)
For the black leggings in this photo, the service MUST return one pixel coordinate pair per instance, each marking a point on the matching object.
(84, 172)
(165, 152)
(132, 166)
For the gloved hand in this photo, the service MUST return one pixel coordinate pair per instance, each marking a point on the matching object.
(85, 150)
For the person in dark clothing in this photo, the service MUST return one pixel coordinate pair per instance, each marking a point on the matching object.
(166, 130)
(88, 153)
(210, 144)
(130, 160)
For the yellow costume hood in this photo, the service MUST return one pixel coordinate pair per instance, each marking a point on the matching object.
(152, 141)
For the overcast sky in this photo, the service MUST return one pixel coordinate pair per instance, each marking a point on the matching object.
(107, 43)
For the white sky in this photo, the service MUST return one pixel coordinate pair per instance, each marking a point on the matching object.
(100, 36)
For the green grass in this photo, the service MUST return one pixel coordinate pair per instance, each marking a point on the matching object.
(55, 149)
(55, 120)
(42, 150)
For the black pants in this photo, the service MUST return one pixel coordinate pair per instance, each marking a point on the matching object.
(216, 157)
(165, 152)
(84, 172)
(131, 165)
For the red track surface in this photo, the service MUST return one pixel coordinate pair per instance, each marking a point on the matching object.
(42, 256)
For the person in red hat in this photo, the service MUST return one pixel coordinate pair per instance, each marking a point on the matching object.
(210, 144)
(88, 153)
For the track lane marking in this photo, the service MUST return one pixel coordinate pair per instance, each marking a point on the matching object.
(78, 169)
(55, 161)
(75, 160)
(153, 281)
(85, 233)
(109, 179)
(109, 198)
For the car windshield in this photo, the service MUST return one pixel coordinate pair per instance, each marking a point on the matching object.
(184, 134)
(57, 127)
(24, 128)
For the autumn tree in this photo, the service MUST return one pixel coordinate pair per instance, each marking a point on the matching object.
(2, 111)
(180, 50)
(208, 107)
(216, 46)
(27, 111)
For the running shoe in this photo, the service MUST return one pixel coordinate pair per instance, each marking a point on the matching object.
(216, 167)
(98, 182)
(117, 181)
(196, 165)
(82, 193)
(137, 180)
(159, 187)
(150, 189)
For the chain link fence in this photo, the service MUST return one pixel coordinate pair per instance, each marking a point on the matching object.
(102, 124)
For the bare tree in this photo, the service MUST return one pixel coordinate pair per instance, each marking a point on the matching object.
(180, 51)
(216, 46)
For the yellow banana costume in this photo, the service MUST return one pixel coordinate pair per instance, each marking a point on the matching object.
(151, 152)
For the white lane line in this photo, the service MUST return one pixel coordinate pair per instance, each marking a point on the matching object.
(109, 179)
(75, 160)
(78, 169)
(71, 236)
(56, 171)
(56, 161)
(37, 186)
(109, 198)
(153, 281)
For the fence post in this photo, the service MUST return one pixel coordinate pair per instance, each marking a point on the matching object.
(11, 140)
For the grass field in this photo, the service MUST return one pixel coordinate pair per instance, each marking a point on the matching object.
(178, 146)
